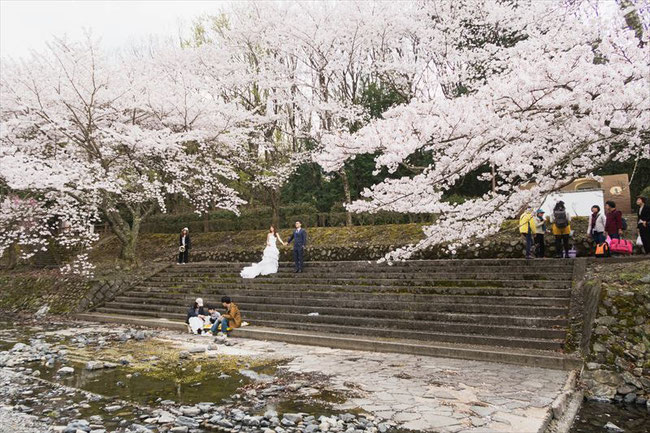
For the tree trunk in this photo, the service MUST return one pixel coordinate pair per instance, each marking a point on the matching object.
(128, 252)
(13, 252)
(127, 235)
(275, 208)
(348, 197)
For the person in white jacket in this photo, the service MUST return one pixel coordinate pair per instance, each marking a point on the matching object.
(596, 226)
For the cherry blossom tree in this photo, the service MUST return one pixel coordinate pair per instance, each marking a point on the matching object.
(567, 94)
(266, 85)
(94, 135)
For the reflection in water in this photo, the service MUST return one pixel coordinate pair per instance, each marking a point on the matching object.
(146, 388)
(593, 416)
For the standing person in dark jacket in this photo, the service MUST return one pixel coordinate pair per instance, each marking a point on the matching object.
(643, 222)
(299, 236)
(184, 245)
(614, 221)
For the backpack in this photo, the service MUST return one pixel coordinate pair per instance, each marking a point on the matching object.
(602, 250)
(623, 223)
(560, 218)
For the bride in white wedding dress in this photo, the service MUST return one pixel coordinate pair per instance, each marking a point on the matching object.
(269, 263)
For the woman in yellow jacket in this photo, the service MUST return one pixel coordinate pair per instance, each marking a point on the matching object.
(561, 221)
(528, 229)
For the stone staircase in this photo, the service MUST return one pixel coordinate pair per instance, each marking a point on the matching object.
(506, 310)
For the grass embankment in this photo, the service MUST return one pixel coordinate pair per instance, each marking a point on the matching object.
(152, 246)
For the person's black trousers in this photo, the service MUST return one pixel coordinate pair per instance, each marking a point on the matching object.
(298, 255)
(645, 237)
(184, 256)
(539, 246)
(559, 240)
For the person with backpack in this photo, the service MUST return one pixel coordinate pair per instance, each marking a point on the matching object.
(540, 229)
(561, 227)
(528, 229)
(613, 221)
(596, 226)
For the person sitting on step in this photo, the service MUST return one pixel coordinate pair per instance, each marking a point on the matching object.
(196, 317)
(214, 315)
(230, 319)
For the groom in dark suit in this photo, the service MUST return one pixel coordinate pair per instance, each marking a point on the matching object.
(299, 236)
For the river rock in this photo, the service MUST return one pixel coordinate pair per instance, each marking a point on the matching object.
(191, 411)
(65, 370)
(205, 406)
(112, 408)
(383, 427)
(42, 312)
(600, 392)
(632, 380)
(179, 429)
(138, 428)
(187, 422)
(270, 414)
(613, 427)
(630, 398)
(626, 389)
(184, 354)
(94, 365)
(197, 349)
(165, 417)
(607, 377)
(225, 423)
(77, 425)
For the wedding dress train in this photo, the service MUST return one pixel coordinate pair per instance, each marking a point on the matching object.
(269, 263)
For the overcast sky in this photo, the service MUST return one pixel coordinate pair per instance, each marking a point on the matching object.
(26, 25)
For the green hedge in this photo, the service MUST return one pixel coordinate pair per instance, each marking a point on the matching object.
(260, 218)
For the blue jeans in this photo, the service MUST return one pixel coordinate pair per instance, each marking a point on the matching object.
(529, 243)
(599, 237)
(224, 326)
(616, 236)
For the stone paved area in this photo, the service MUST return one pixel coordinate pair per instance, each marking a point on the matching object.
(422, 393)
(16, 422)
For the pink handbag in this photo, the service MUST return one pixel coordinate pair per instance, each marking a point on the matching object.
(621, 246)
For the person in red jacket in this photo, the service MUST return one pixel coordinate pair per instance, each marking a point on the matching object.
(613, 220)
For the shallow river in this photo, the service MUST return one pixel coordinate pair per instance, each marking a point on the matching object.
(593, 416)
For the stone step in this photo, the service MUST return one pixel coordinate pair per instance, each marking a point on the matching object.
(463, 263)
(391, 298)
(383, 314)
(483, 291)
(346, 278)
(391, 304)
(429, 266)
(355, 322)
(486, 340)
(535, 358)
(384, 272)
(305, 282)
(428, 335)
